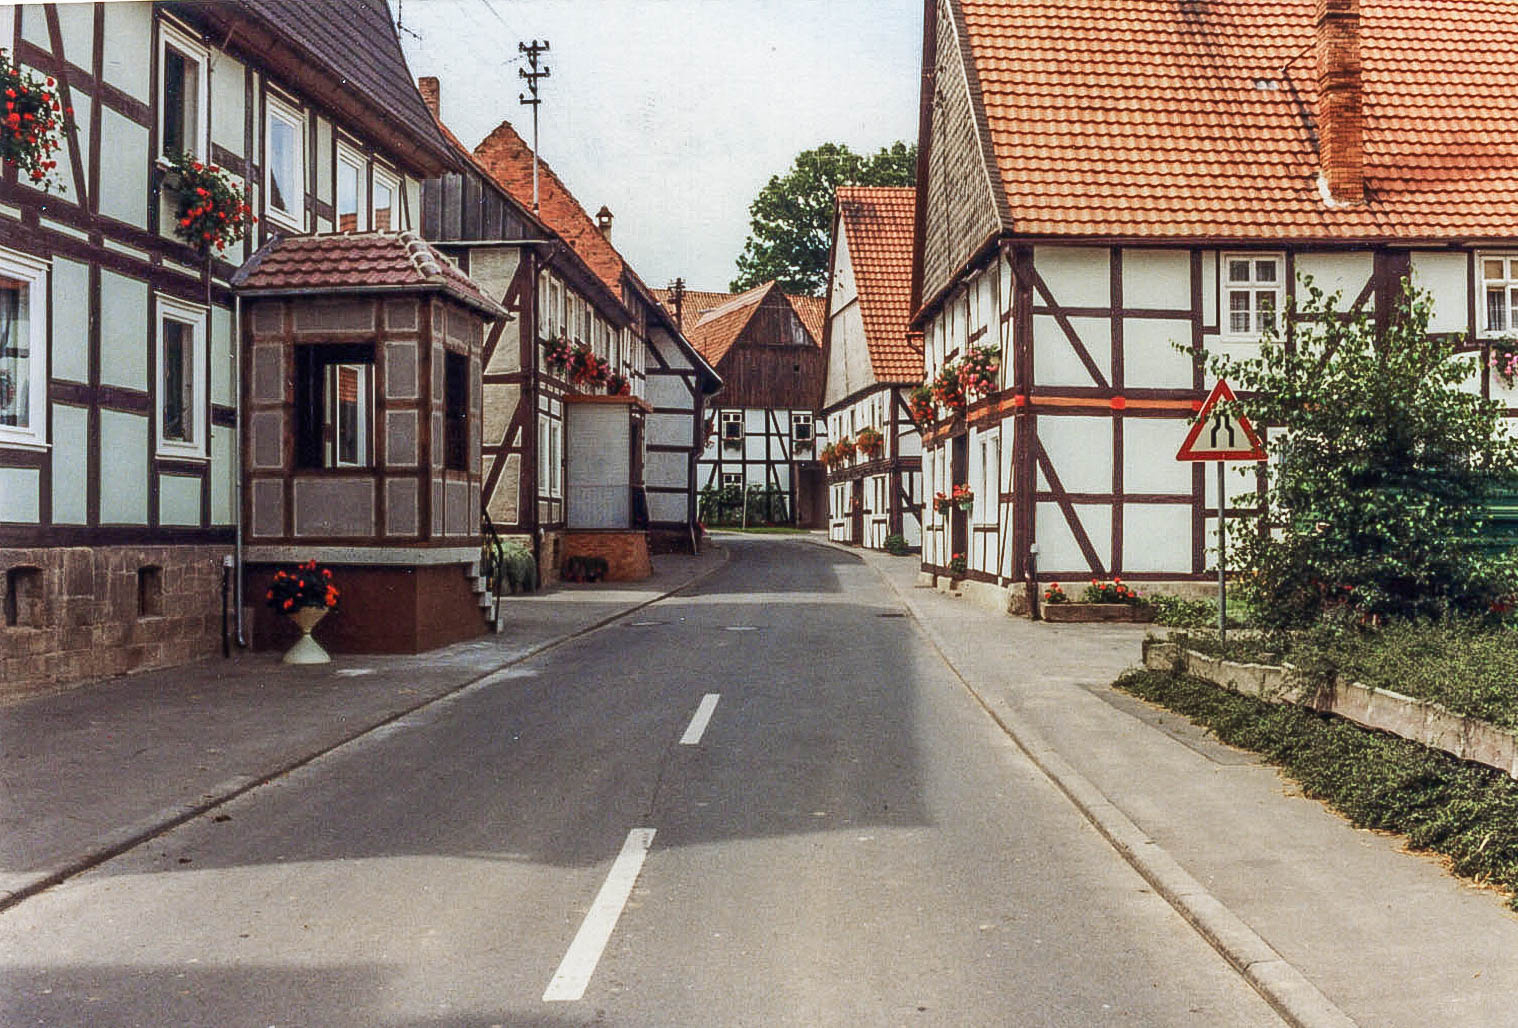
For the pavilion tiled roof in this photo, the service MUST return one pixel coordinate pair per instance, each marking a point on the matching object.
(877, 222)
(1192, 118)
(357, 263)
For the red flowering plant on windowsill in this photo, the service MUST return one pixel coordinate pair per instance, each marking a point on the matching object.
(585, 368)
(35, 118)
(947, 392)
(213, 213)
(618, 385)
(558, 353)
(1054, 594)
(844, 450)
(870, 443)
(921, 406)
(1109, 592)
(308, 585)
(978, 369)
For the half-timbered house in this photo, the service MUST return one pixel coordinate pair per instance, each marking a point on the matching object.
(120, 494)
(1085, 216)
(573, 465)
(766, 421)
(873, 361)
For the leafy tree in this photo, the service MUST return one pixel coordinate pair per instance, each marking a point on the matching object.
(1374, 493)
(792, 217)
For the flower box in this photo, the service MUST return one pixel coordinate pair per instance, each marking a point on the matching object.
(1072, 612)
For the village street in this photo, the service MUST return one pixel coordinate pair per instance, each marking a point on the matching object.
(852, 840)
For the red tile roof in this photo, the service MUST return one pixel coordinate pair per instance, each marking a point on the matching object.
(1189, 118)
(877, 222)
(714, 321)
(507, 158)
(357, 263)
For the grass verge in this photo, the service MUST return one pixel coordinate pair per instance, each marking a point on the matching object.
(1463, 811)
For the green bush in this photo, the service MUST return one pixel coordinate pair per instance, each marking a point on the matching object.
(1179, 612)
(512, 564)
(1464, 811)
(1376, 486)
(896, 545)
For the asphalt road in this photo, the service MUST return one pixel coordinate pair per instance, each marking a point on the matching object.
(842, 837)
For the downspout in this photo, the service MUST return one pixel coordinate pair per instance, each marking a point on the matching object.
(237, 469)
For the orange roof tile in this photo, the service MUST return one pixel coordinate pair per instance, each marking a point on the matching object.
(507, 158)
(878, 222)
(714, 321)
(357, 262)
(1190, 118)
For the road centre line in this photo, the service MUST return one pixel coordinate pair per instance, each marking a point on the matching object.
(584, 953)
(699, 722)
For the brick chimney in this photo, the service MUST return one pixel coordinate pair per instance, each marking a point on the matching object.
(432, 93)
(1341, 101)
(603, 221)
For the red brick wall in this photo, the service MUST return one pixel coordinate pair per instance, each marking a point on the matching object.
(86, 622)
(626, 553)
(1341, 104)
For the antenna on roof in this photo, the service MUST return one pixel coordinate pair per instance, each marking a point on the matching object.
(677, 297)
(532, 50)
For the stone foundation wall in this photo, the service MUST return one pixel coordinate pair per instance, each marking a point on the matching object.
(626, 553)
(88, 612)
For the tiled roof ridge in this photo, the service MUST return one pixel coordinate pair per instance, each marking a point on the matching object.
(422, 257)
(753, 295)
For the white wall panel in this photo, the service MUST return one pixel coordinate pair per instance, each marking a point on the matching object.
(124, 192)
(1157, 279)
(222, 470)
(70, 464)
(124, 477)
(1157, 538)
(20, 498)
(1445, 275)
(1055, 361)
(1057, 547)
(1150, 359)
(1077, 276)
(178, 500)
(1149, 449)
(1343, 273)
(71, 320)
(128, 40)
(123, 331)
(1081, 452)
(669, 429)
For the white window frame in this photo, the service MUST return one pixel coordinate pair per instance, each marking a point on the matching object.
(731, 417)
(803, 418)
(197, 317)
(365, 413)
(736, 476)
(351, 157)
(34, 273)
(192, 48)
(1254, 288)
(274, 108)
(384, 176)
(1509, 283)
(556, 459)
(988, 495)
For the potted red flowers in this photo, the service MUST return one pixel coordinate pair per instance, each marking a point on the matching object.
(618, 385)
(213, 213)
(304, 594)
(977, 370)
(870, 443)
(585, 368)
(34, 118)
(921, 406)
(557, 354)
(947, 392)
(1101, 601)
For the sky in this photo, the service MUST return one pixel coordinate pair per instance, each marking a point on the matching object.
(675, 113)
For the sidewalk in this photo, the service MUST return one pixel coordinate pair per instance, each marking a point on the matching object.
(1386, 936)
(91, 771)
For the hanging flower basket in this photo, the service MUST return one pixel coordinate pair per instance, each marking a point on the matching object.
(977, 370)
(870, 443)
(213, 213)
(585, 368)
(843, 450)
(1505, 361)
(618, 385)
(35, 120)
(557, 353)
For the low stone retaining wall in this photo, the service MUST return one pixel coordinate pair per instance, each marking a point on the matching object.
(1420, 721)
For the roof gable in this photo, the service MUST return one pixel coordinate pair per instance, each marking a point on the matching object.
(875, 224)
(762, 316)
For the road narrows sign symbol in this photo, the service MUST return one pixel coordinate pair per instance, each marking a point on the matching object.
(1221, 434)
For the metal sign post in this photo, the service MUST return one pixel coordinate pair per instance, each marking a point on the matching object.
(1222, 436)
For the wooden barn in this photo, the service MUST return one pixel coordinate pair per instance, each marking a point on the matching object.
(1055, 223)
(574, 464)
(874, 361)
(120, 496)
(766, 426)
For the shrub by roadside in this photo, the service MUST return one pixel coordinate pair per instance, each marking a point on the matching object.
(1463, 811)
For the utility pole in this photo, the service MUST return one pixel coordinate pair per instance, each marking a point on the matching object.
(532, 50)
(677, 297)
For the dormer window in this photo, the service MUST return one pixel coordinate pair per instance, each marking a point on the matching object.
(182, 90)
(1253, 285)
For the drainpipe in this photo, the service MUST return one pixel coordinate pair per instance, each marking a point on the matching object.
(237, 469)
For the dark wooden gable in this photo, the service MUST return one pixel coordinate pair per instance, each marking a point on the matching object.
(774, 361)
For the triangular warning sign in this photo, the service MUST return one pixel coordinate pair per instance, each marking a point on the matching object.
(1221, 435)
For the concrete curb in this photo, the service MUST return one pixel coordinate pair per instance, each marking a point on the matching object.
(154, 825)
(1281, 985)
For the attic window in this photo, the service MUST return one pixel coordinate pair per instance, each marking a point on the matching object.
(1253, 293)
(732, 425)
